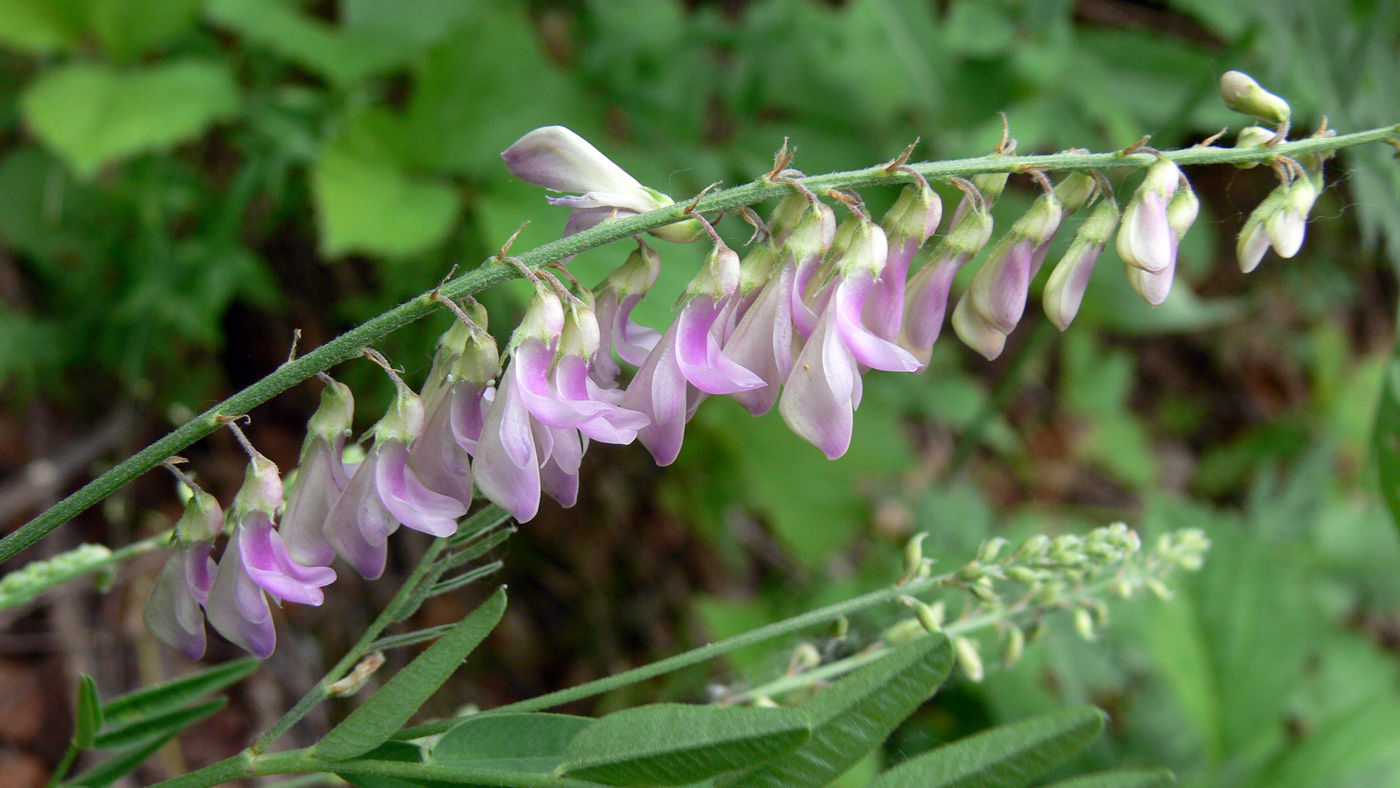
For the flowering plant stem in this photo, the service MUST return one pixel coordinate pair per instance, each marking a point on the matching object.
(350, 344)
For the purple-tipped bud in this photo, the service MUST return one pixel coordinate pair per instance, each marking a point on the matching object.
(1155, 286)
(1254, 238)
(1288, 224)
(926, 299)
(560, 160)
(912, 220)
(172, 611)
(1144, 240)
(976, 331)
(1064, 291)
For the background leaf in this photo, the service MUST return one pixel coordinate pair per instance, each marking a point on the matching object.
(89, 717)
(674, 744)
(163, 698)
(388, 709)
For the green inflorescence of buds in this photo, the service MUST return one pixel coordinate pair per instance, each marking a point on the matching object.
(23, 585)
(1242, 94)
(969, 660)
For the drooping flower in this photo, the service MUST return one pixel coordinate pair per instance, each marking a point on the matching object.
(908, 225)
(804, 246)
(762, 339)
(384, 492)
(1064, 290)
(560, 160)
(256, 561)
(1280, 221)
(996, 298)
(822, 393)
(1154, 286)
(320, 478)
(440, 457)
(1144, 239)
(926, 295)
(172, 610)
(688, 361)
(614, 300)
(598, 413)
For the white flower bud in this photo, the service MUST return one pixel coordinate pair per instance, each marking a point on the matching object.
(1242, 94)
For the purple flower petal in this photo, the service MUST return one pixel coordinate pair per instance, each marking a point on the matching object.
(237, 608)
(359, 524)
(408, 499)
(172, 611)
(530, 370)
(437, 459)
(559, 474)
(698, 351)
(884, 309)
(613, 424)
(926, 301)
(507, 467)
(762, 342)
(658, 391)
(817, 398)
(848, 303)
(1144, 241)
(320, 480)
(469, 405)
(560, 160)
(266, 560)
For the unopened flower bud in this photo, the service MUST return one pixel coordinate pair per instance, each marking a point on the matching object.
(1242, 94)
(636, 275)
(968, 658)
(983, 590)
(1076, 189)
(991, 549)
(971, 573)
(1144, 240)
(202, 520)
(1014, 647)
(914, 554)
(1064, 291)
(915, 214)
(1288, 224)
(1249, 138)
(929, 617)
(718, 276)
(543, 320)
(1084, 624)
(903, 631)
(1022, 574)
(1159, 589)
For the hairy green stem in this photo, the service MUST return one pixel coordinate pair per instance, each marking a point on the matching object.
(351, 343)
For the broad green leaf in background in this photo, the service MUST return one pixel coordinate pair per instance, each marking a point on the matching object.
(676, 744)
(342, 57)
(130, 28)
(1006, 757)
(158, 726)
(367, 202)
(89, 717)
(1385, 441)
(1125, 778)
(509, 742)
(388, 709)
(42, 26)
(853, 716)
(92, 114)
(163, 698)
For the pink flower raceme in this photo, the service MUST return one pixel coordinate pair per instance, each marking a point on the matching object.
(687, 362)
(821, 395)
(560, 160)
(256, 561)
(384, 493)
(531, 440)
(173, 609)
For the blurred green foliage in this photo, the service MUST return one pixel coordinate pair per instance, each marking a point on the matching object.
(164, 163)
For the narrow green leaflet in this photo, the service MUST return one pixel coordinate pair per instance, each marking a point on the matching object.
(675, 744)
(170, 722)
(402, 752)
(1007, 757)
(853, 716)
(89, 713)
(163, 698)
(509, 742)
(1125, 778)
(91, 114)
(373, 723)
(118, 766)
(1385, 441)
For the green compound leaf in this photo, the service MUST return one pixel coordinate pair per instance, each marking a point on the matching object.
(853, 716)
(89, 717)
(164, 698)
(674, 744)
(92, 114)
(158, 726)
(1125, 778)
(509, 742)
(1385, 441)
(118, 766)
(373, 723)
(1007, 757)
